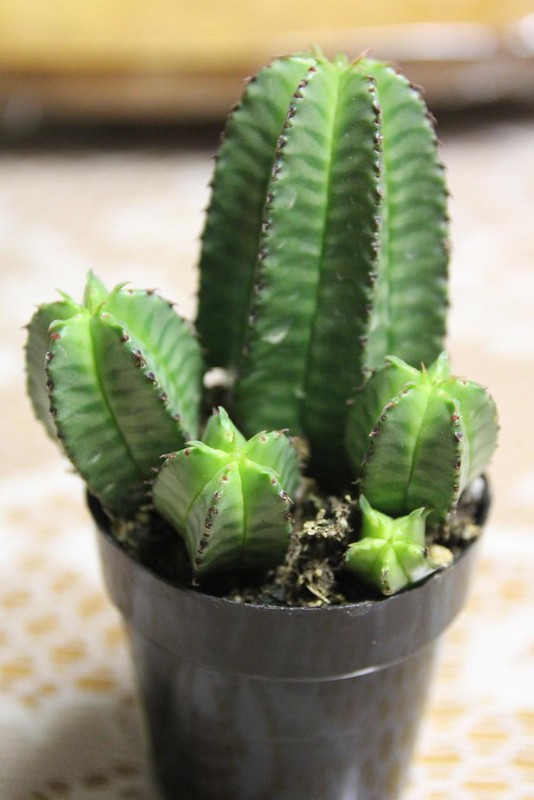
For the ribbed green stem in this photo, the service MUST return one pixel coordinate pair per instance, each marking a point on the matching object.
(234, 218)
(121, 387)
(419, 438)
(303, 353)
(408, 318)
(108, 410)
(230, 505)
(325, 244)
(37, 349)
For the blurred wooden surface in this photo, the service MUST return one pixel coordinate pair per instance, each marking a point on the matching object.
(166, 59)
(109, 35)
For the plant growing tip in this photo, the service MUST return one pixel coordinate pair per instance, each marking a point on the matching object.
(229, 498)
(392, 553)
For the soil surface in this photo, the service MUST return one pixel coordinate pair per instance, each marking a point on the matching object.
(312, 572)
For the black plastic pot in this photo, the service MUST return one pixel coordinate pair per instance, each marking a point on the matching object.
(248, 702)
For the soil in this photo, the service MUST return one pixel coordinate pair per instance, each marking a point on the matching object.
(312, 573)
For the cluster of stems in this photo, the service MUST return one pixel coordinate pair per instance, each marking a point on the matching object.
(323, 298)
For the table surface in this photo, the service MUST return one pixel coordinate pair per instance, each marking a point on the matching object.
(69, 722)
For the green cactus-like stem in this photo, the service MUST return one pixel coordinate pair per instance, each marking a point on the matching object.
(391, 553)
(235, 214)
(37, 346)
(325, 206)
(419, 438)
(228, 498)
(303, 350)
(410, 300)
(121, 386)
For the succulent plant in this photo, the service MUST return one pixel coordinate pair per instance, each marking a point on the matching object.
(323, 294)
(418, 438)
(391, 553)
(226, 495)
(117, 380)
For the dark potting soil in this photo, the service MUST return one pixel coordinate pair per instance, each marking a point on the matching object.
(312, 573)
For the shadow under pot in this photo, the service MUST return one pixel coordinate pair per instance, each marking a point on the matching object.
(250, 702)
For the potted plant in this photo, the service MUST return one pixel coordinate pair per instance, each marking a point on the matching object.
(288, 500)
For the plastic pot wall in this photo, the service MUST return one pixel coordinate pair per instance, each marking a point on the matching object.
(247, 702)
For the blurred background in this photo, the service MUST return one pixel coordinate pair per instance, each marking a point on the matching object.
(110, 113)
(168, 60)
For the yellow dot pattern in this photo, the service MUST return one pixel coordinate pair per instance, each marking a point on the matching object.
(477, 739)
(66, 688)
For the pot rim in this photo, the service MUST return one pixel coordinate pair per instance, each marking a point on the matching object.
(281, 642)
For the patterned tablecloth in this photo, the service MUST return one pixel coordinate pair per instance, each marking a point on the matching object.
(69, 722)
